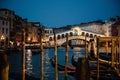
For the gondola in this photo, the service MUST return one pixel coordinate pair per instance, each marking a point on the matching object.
(107, 75)
(105, 56)
(107, 72)
(61, 68)
(93, 60)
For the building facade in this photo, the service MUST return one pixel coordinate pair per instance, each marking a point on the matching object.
(116, 29)
(9, 15)
(48, 31)
(98, 27)
(32, 31)
(17, 23)
(95, 26)
(4, 32)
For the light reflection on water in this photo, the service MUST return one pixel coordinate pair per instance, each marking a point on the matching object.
(28, 61)
(33, 62)
(46, 64)
(79, 54)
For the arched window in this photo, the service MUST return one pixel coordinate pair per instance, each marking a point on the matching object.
(87, 35)
(83, 33)
(63, 35)
(71, 34)
(91, 35)
(66, 34)
(58, 37)
(50, 38)
(95, 36)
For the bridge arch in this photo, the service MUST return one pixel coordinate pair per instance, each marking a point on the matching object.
(83, 34)
(63, 35)
(71, 33)
(66, 34)
(95, 36)
(87, 35)
(51, 38)
(91, 35)
(58, 36)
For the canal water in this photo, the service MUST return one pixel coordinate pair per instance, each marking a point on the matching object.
(33, 62)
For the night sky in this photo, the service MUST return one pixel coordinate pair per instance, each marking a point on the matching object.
(57, 13)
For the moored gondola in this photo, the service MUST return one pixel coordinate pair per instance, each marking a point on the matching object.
(61, 68)
(106, 71)
(92, 62)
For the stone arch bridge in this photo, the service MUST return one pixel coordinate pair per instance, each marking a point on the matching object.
(74, 34)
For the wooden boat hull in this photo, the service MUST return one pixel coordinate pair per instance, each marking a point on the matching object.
(61, 68)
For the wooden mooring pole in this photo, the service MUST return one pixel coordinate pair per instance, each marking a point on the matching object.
(42, 59)
(66, 57)
(86, 50)
(55, 56)
(23, 54)
(119, 54)
(98, 72)
(4, 66)
(82, 70)
(113, 52)
(94, 47)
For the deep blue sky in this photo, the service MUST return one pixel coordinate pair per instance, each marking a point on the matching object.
(57, 13)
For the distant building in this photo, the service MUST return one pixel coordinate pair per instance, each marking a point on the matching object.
(32, 32)
(119, 30)
(48, 31)
(4, 31)
(114, 26)
(13, 20)
(97, 27)
(116, 29)
(31, 29)
(107, 28)
(17, 23)
(9, 15)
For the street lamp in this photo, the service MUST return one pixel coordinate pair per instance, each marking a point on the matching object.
(3, 39)
(29, 39)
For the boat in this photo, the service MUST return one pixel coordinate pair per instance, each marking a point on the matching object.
(106, 71)
(105, 56)
(34, 47)
(61, 68)
(92, 62)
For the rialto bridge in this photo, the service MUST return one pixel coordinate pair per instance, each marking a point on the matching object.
(74, 34)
